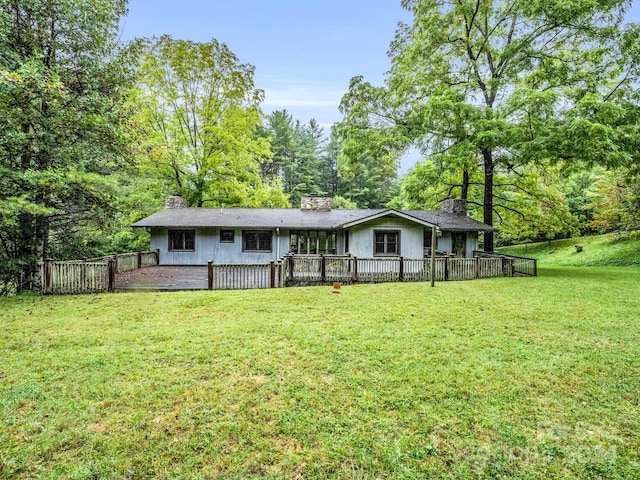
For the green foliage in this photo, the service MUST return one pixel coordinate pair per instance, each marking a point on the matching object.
(296, 159)
(329, 180)
(605, 200)
(616, 203)
(198, 119)
(339, 202)
(502, 378)
(62, 87)
(426, 185)
(488, 89)
(580, 189)
(367, 183)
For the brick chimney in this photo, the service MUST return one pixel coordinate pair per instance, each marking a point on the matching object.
(457, 206)
(316, 203)
(175, 201)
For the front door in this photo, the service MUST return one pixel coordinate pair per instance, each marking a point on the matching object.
(459, 244)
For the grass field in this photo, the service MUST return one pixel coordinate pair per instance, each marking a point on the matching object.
(500, 378)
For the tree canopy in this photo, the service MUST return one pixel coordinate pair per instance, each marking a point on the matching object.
(199, 116)
(488, 89)
(62, 85)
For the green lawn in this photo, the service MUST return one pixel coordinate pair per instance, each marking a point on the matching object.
(597, 251)
(499, 378)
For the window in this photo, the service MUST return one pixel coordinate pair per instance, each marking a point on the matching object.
(256, 240)
(459, 244)
(427, 240)
(386, 242)
(182, 240)
(227, 236)
(312, 242)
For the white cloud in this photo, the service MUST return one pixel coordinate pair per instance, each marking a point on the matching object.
(302, 95)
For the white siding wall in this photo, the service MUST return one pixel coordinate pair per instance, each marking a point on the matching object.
(411, 237)
(209, 247)
(444, 243)
(472, 243)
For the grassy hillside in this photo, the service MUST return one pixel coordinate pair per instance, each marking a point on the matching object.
(598, 250)
(500, 378)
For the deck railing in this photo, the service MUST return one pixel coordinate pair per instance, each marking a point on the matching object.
(128, 261)
(90, 275)
(313, 270)
(98, 274)
(75, 277)
(245, 276)
(518, 265)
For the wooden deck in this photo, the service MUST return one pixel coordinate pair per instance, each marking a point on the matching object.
(163, 278)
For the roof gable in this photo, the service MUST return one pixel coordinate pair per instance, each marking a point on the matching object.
(386, 213)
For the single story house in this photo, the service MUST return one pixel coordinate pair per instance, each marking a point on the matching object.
(193, 236)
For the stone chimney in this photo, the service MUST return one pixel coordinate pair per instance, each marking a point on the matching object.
(175, 201)
(316, 203)
(457, 206)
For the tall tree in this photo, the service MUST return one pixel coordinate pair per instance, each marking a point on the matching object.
(367, 182)
(296, 151)
(501, 85)
(329, 177)
(200, 113)
(615, 200)
(62, 83)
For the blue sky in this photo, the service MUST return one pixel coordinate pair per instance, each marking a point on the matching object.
(305, 51)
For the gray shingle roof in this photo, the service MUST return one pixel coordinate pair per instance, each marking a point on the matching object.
(295, 218)
(448, 221)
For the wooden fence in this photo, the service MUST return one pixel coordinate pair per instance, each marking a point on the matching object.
(91, 275)
(98, 274)
(129, 261)
(315, 270)
(74, 277)
(520, 266)
(245, 276)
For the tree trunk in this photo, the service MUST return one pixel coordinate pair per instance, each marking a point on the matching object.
(487, 156)
(464, 191)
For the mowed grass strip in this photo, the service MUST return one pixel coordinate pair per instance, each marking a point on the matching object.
(521, 377)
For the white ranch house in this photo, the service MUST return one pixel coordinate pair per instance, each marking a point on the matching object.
(195, 236)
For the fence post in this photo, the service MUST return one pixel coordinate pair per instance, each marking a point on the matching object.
(477, 267)
(157, 256)
(139, 259)
(355, 270)
(446, 268)
(112, 268)
(272, 274)
(290, 262)
(210, 275)
(432, 266)
(535, 267)
(401, 272)
(323, 269)
(46, 265)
